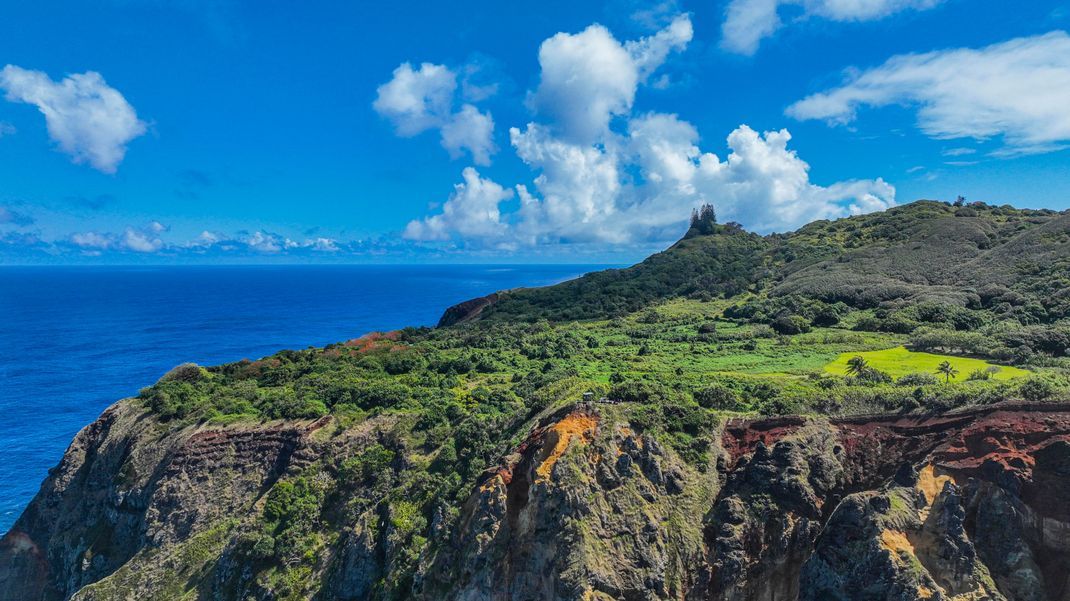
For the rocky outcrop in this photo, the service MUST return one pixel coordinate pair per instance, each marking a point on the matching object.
(799, 508)
(838, 510)
(127, 485)
(467, 310)
(585, 509)
(970, 505)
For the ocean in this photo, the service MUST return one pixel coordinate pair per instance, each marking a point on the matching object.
(75, 339)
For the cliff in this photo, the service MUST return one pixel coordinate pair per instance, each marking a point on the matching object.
(766, 429)
(968, 505)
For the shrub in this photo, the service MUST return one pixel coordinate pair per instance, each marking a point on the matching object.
(649, 316)
(952, 341)
(187, 372)
(639, 392)
(401, 363)
(172, 399)
(762, 331)
(870, 376)
(897, 323)
(717, 397)
(826, 316)
(455, 365)
(789, 325)
(371, 462)
(262, 546)
(917, 379)
(1036, 389)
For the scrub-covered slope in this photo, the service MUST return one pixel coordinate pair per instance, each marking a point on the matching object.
(969, 255)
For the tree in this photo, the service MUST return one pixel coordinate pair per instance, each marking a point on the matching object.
(945, 369)
(961, 200)
(703, 220)
(856, 366)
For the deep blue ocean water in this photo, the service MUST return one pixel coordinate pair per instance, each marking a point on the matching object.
(75, 339)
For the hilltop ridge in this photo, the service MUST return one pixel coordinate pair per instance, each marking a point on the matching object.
(926, 250)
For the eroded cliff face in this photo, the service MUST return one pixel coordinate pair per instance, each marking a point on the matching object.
(585, 509)
(137, 508)
(968, 506)
(974, 505)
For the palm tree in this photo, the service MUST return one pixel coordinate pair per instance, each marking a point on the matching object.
(947, 371)
(856, 366)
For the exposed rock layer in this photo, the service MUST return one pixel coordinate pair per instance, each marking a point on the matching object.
(971, 505)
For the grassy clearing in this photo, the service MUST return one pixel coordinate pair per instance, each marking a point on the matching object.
(674, 345)
(899, 361)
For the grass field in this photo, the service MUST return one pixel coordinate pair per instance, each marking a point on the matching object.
(671, 346)
(899, 361)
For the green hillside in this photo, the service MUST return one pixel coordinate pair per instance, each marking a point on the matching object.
(1012, 263)
(919, 310)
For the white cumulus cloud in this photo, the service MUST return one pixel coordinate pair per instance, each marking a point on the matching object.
(578, 185)
(323, 245)
(604, 175)
(417, 100)
(584, 194)
(89, 120)
(748, 22)
(144, 240)
(91, 240)
(1017, 89)
(264, 242)
(470, 130)
(589, 77)
(472, 211)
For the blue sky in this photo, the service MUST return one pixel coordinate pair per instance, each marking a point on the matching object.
(143, 131)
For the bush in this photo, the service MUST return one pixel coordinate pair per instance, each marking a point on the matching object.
(639, 392)
(870, 376)
(401, 363)
(717, 397)
(171, 399)
(917, 379)
(789, 325)
(1036, 389)
(951, 341)
(371, 462)
(826, 316)
(187, 372)
(455, 365)
(897, 323)
(649, 316)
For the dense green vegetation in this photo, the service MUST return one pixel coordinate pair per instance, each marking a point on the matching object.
(851, 316)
